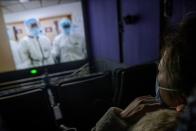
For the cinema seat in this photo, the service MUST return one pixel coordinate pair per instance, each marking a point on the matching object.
(27, 111)
(84, 100)
(133, 82)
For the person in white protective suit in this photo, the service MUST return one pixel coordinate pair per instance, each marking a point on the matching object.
(35, 49)
(68, 46)
(14, 47)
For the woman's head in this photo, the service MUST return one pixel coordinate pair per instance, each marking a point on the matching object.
(177, 68)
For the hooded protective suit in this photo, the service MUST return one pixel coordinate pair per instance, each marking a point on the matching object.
(35, 49)
(68, 46)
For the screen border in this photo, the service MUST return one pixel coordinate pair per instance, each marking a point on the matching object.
(51, 69)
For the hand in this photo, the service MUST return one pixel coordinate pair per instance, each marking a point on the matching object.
(140, 106)
(180, 108)
(111, 121)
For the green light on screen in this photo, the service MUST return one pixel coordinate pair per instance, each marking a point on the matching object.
(34, 72)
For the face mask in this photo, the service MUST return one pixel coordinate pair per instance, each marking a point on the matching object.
(158, 96)
(66, 26)
(35, 32)
(67, 31)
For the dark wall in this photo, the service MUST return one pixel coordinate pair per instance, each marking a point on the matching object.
(180, 8)
(177, 12)
(102, 16)
(141, 40)
(190, 5)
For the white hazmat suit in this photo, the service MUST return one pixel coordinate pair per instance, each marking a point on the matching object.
(15, 52)
(68, 46)
(35, 49)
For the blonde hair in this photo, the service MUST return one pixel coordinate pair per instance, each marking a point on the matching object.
(162, 120)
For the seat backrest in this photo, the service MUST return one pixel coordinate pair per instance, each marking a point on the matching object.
(136, 81)
(27, 111)
(84, 101)
(116, 84)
